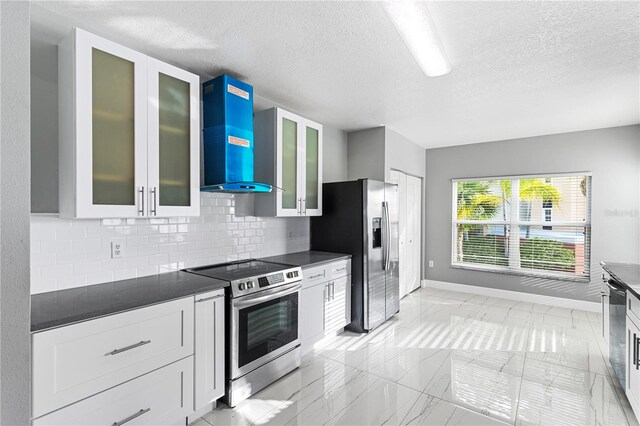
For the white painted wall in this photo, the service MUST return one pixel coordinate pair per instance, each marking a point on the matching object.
(15, 321)
(74, 253)
(612, 155)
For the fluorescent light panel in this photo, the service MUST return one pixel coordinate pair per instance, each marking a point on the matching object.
(415, 26)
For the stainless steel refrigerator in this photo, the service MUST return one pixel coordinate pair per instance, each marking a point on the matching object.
(361, 218)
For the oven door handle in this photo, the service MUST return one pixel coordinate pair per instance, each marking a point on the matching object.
(266, 295)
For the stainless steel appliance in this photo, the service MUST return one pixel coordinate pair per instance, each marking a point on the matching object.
(361, 218)
(617, 329)
(262, 338)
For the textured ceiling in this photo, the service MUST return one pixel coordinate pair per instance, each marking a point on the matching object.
(519, 68)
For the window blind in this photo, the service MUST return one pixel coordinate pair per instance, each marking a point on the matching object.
(531, 225)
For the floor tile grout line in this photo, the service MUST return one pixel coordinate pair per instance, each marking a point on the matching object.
(524, 366)
(457, 405)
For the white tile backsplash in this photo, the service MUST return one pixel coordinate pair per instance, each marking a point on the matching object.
(74, 253)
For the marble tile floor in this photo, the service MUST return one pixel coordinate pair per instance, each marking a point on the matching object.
(449, 358)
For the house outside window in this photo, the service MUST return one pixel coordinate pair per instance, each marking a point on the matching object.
(547, 205)
(547, 234)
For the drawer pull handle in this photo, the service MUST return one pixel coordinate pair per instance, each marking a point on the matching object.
(126, 348)
(316, 276)
(131, 417)
(340, 269)
(206, 299)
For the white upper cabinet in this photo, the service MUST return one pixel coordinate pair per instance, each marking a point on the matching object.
(289, 156)
(173, 141)
(128, 132)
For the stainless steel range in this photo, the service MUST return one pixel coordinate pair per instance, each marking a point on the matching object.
(262, 337)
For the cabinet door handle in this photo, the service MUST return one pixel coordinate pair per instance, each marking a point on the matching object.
(304, 201)
(131, 417)
(141, 191)
(327, 296)
(128, 348)
(154, 193)
(637, 353)
(635, 350)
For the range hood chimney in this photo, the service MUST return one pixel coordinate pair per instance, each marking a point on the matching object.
(228, 137)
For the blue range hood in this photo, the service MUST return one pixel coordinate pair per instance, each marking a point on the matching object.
(228, 137)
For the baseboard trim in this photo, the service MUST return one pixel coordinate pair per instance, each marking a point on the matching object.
(514, 295)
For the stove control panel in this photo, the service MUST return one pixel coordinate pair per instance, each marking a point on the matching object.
(254, 284)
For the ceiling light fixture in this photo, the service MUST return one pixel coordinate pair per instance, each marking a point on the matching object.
(414, 24)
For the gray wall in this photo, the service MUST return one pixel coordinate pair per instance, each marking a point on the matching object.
(613, 157)
(44, 122)
(365, 154)
(15, 356)
(402, 154)
(373, 153)
(334, 162)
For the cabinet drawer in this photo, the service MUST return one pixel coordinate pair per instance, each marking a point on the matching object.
(162, 397)
(313, 276)
(74, 362)
(326, 272)
(633, 307)
(338, 269)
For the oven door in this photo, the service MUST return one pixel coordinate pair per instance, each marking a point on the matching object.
(264, 326)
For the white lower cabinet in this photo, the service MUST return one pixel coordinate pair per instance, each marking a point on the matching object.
(76, 361)
(312, 315)
(633, 365)
(337, 304)
(162, 397)
(209, 349)
(325, 303)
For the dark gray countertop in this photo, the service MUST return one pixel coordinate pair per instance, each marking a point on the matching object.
(307, 258)
(64, 307)
(627, 274)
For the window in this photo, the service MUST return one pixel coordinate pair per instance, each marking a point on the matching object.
(547, 205)
(547, 233)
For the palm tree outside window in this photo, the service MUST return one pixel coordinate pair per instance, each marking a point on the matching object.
(547, 234)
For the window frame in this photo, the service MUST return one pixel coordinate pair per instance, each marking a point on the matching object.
(514, 221)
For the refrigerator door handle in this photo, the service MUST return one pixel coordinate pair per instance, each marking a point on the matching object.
(386, 236)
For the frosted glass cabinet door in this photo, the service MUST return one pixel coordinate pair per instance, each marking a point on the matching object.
(111, 128)
(312, 199)
(289, 161)
(174, 136)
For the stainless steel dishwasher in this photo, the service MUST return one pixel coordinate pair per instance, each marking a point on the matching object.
(617, 329)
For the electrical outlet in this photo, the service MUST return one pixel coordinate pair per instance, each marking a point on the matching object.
(431, 264)
(116, 249)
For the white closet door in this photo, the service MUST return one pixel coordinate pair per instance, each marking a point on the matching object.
(414, 208)
(400, 179)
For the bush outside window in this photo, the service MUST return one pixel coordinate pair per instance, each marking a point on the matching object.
(532, 225)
